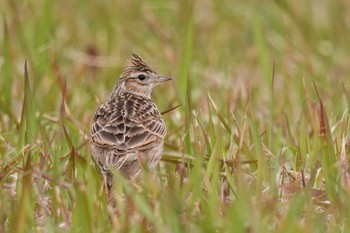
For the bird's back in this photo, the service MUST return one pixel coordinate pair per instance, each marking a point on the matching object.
(126, 128)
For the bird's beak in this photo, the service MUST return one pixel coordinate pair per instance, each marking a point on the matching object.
(162, 79)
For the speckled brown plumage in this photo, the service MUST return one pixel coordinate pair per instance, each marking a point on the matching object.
(128, 129)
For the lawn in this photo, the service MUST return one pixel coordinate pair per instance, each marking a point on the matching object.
(260, 142)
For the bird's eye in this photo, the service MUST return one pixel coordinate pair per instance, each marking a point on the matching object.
(141, 77)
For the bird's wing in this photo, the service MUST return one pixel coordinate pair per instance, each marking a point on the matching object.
(129, 124)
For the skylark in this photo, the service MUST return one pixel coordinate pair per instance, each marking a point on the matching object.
(128, 130)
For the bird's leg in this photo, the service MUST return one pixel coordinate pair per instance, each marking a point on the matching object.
(111, 202)
(108, 184)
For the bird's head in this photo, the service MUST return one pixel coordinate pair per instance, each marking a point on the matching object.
(139, 78)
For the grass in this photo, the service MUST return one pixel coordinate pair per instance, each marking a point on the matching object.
(259, 144)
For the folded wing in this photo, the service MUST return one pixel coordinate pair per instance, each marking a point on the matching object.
(131, 123)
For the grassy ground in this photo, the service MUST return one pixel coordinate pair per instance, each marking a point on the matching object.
(259, 144)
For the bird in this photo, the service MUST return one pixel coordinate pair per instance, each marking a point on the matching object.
(128, 129)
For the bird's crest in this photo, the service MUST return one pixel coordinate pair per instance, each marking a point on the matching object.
(137, 65)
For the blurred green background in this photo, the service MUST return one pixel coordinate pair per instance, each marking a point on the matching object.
(244, 73)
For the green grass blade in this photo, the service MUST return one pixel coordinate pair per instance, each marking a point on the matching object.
(6, 71)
